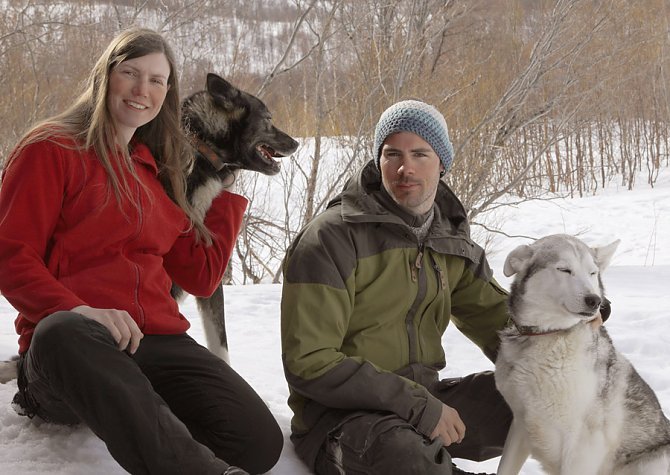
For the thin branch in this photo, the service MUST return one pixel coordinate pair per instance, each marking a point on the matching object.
(296, 28)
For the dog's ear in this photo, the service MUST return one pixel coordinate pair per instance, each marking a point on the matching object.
(221, 89)
(603, 255)
(517, 260)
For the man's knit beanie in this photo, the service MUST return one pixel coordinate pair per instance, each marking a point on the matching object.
(420, 118)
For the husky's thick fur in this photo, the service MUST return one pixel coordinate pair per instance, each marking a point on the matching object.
(230, 130)
(579, 406)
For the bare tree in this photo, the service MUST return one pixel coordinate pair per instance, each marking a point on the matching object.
(560, 95)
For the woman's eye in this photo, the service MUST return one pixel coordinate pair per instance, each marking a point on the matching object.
(565, 269)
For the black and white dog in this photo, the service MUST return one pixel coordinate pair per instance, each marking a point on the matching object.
(230, 130)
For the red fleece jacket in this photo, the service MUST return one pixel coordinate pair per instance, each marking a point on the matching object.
(64, 241)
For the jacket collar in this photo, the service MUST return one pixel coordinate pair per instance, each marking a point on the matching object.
(364, 200)
(141, 154)
(449, 233)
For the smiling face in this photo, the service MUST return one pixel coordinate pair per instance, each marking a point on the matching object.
(410, 171)
(136, 91)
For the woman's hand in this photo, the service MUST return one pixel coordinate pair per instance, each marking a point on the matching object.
(450, 428)
(120, 324)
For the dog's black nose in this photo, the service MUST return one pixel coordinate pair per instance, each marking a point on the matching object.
(592, 301)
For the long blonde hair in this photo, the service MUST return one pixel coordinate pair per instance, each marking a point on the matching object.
(89, 122)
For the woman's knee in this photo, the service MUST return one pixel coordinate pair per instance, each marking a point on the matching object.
(254, 444)
(57, 328)
(268, 445)
(68, 333)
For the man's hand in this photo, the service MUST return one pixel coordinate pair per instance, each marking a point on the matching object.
(120, 324)
(450, 428)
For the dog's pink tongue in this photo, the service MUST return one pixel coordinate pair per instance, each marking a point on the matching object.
(267, 151)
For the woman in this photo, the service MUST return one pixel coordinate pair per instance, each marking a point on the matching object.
(90, 243)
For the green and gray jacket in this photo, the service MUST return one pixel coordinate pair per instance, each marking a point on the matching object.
(364, 307)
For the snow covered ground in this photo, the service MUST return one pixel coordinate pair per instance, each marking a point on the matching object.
(637, 283)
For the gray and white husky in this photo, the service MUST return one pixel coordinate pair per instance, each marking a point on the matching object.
(579, 406)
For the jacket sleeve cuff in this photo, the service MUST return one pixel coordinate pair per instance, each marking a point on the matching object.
(430, 417)
(237, 201)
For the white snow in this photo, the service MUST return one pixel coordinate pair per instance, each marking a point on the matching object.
(637, 283)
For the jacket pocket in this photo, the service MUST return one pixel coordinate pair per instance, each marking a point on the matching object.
(359, 432)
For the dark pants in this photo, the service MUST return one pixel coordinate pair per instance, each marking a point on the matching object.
(383, 443)
(172, 407)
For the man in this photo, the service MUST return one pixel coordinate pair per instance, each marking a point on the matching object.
(370, 287)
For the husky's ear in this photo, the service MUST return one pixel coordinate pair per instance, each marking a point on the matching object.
(604, 254)
(517, 259)
(220, 88)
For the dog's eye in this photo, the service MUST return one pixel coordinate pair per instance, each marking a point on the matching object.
(594, 273)
(565, 269)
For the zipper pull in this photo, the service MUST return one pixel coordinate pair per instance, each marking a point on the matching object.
(443, 281)
(419, 257)
(417, 264)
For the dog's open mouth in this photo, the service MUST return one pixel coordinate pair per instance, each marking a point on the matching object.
(268, 153)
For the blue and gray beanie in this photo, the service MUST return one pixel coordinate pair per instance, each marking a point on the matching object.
(419, 118)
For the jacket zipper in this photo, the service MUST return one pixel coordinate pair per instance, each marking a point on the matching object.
(140, 221)
(417, 276)
(440, 273)
(417, 264)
